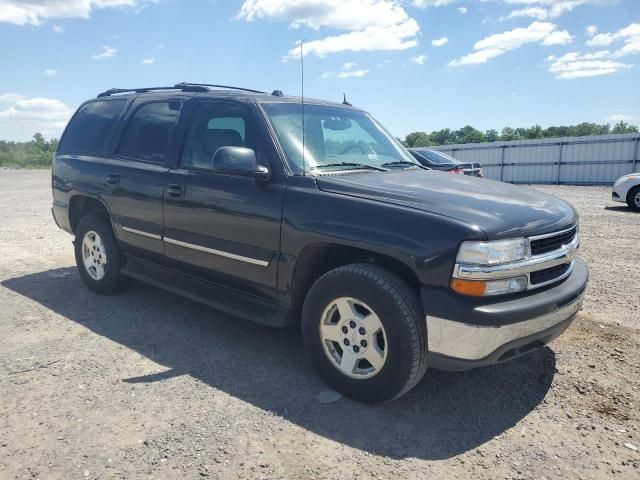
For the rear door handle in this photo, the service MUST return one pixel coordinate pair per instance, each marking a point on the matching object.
(175, 190)
(113, 179)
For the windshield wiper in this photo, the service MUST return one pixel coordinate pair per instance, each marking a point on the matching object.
(350, 164)
(399, 163)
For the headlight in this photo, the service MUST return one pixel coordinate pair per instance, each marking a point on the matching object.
(492, 253)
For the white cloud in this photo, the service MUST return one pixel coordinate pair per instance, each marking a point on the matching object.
(432, 3)
(107, 52)
(603, 62)
(149, 61)
(21, 117)
(49, 72)
(438, 42)
(353, 73)
(579, 65)
(462, 10)
(160, 45)
(591, 30)
(548, 9)
(619, 117)
(346, 71)
(500, 43)
(419, 59)
(533, 12)
(370, 25)
(628, 36)
(35, 12)
(57, 28)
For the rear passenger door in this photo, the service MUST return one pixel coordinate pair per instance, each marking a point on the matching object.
(139, 170)
(223, 227)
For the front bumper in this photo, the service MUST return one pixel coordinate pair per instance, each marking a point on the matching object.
(615, 196)
(466, 333)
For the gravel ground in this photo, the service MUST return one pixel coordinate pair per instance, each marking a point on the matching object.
(150, 385)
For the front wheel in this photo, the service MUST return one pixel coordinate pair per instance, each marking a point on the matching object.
(633, 199)
(365, 332)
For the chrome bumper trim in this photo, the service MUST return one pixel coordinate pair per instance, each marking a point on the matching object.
(473, 342)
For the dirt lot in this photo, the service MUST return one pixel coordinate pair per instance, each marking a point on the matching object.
(150, 385)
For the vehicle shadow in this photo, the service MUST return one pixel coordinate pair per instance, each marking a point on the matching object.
(445, 415)
(617, 208)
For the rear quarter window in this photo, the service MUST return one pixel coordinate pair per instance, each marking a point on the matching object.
(90, 127)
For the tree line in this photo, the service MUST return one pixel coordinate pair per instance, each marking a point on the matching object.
(469, 134)
(36, 153)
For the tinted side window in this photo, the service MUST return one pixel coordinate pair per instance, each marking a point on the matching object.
(149, 130)
(90, 127)
(215, 125)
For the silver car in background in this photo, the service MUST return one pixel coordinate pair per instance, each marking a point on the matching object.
(627, 190)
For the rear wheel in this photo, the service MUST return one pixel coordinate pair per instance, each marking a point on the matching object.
(633, 199)
(98, 256)
(365, 332)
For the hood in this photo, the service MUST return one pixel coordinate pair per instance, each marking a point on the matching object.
(500, 209)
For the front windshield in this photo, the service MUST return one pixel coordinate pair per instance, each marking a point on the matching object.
(335, 139)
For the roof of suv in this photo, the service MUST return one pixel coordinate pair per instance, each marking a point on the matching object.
(220, 91)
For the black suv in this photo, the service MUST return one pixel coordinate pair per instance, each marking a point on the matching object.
(284, 212)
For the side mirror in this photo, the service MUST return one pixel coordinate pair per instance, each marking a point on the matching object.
(239, 161)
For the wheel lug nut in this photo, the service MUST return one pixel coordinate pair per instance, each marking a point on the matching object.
(345, 329)
(352, 324)
(362, 331)
(346, 342)
(363, 343)
(356, 348)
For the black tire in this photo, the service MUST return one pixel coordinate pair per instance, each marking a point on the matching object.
(400, 313)
(113, 280)
(631, 199)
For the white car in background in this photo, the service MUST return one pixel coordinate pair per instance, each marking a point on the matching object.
(627, 190)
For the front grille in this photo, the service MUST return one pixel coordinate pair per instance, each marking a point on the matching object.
(548, 274)
(549, 244)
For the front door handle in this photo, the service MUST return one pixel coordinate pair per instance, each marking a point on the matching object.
(113, 179)
(175, 190)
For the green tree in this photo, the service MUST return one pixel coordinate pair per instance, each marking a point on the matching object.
(442, 137)
(491, 136)
(624, 127)
(417, 139)
(468, 134)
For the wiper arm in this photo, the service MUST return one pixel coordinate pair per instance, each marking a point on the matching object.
(350, 164)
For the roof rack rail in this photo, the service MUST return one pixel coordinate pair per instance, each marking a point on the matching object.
(114, 91)
(188, 85)
(183, 86)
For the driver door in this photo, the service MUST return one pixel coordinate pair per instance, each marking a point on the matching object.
(222, 227)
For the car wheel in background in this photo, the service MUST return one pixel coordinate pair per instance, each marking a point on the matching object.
(633, 199)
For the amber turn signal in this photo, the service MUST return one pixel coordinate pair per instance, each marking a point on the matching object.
(469, 287)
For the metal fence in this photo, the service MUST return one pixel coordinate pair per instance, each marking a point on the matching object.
(596, 160)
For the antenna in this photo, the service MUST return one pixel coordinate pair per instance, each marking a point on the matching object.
(304, 171)
(344, 100)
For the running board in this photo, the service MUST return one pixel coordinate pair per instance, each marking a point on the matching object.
(248, 307)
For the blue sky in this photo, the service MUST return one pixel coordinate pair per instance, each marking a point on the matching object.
(414, 64)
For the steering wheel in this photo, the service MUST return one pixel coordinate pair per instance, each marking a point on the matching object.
(351, 147)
